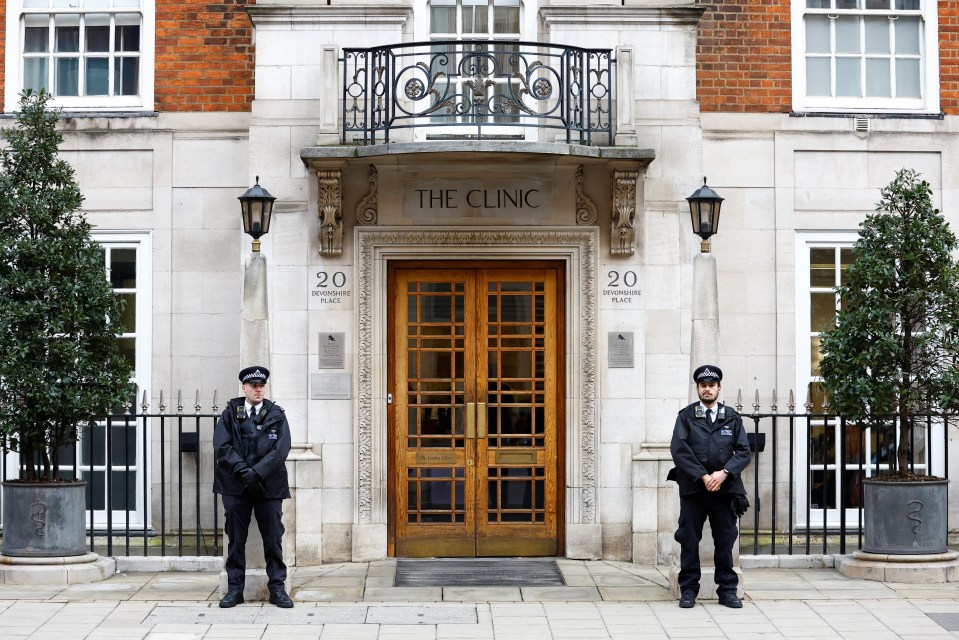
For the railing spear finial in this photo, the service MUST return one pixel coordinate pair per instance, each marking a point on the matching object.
(179, 401)
(808, 404)
(196, 403)
(756, 404)
(215, 406)
(739, 400)
(792, 402)
(145, 405)
(161, 406)
(773, 405)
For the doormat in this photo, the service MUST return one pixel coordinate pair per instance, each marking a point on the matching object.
(497, 572)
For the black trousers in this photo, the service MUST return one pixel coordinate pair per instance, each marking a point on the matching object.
(269, 520)
(693, 512)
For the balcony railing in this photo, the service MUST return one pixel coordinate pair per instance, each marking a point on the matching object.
(477, 89)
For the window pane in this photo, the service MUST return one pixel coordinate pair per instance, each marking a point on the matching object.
(817, 77)
(97, 77)
(846, 256)
(475, 16)
(442, 17)
(123, 268)
(907, 36)
(67, 38)
(877, 4)
(907, 5)
(97, 32)
(877, 35)
(822, 267)
(506, 16)
(35, 72)
(818, 4)
(847, 4)
(67, 74)
(817, 34)
(129, 319)
(847, 34)
(127, 37)
(822, 311)
(878, 83)
(126, 77)
(907, 79)
(848, 80)
(36, 39)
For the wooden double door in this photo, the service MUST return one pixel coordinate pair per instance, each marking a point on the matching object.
(476, 411)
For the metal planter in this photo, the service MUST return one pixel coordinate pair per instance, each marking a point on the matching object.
(905, 518)
(44, 520)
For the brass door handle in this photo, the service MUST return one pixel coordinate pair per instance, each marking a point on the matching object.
(481, 420)
(470, 420)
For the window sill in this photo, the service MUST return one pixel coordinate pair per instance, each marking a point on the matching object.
(867, 114)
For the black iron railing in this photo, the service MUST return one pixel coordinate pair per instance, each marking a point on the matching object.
(149, 482)
(477, 89)
(805, 480)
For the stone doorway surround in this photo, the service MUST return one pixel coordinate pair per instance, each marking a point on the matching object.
(578, 248)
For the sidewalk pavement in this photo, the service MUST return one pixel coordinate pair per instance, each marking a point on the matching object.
(603, 599)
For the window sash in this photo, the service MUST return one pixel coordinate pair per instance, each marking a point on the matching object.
(874, 55)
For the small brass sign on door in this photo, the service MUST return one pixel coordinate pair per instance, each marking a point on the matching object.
(515, 457)
(435, 457)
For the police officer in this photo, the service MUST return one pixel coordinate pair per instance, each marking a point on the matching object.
(710, 450)
(251, 442)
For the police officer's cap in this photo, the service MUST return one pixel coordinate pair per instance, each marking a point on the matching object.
(254, 375)
(707, 373)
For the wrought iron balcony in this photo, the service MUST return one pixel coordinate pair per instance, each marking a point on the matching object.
(477, 89)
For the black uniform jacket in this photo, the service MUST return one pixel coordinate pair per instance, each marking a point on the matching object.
(700, 447)
(267, 455)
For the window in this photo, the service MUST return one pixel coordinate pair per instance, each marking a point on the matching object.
(865, 55)
(838, 459)
(92, 54)
(127, 264)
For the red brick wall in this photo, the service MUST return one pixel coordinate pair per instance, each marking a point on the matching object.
(204, 56)
(743, 57)
(949, 56)
(744, 63)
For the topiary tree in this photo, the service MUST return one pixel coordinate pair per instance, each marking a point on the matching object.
(60, 364)
(894, 348)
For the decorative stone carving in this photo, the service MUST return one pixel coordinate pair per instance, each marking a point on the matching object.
(585, 209)
(622, 235)
(367, 210)
(581, 247)
(330, 209)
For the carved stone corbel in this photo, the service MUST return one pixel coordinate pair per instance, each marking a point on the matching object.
(329, 203)
(622, 235)
(586, 212)
(367, 210)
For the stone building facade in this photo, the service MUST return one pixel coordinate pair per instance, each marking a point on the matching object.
(481, 333)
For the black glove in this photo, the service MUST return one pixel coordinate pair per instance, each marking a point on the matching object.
(256, 491)
(740, 505)
(248, 477)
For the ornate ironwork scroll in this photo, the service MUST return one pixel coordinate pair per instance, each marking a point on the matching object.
(330, 210)
(367, 210)
(477, 85)
(585, 209)
(621, 232)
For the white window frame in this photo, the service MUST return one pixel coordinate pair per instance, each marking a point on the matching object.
(830, 517)
(142, 101)
(928, 102)
(421, 33)
(141, 243)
